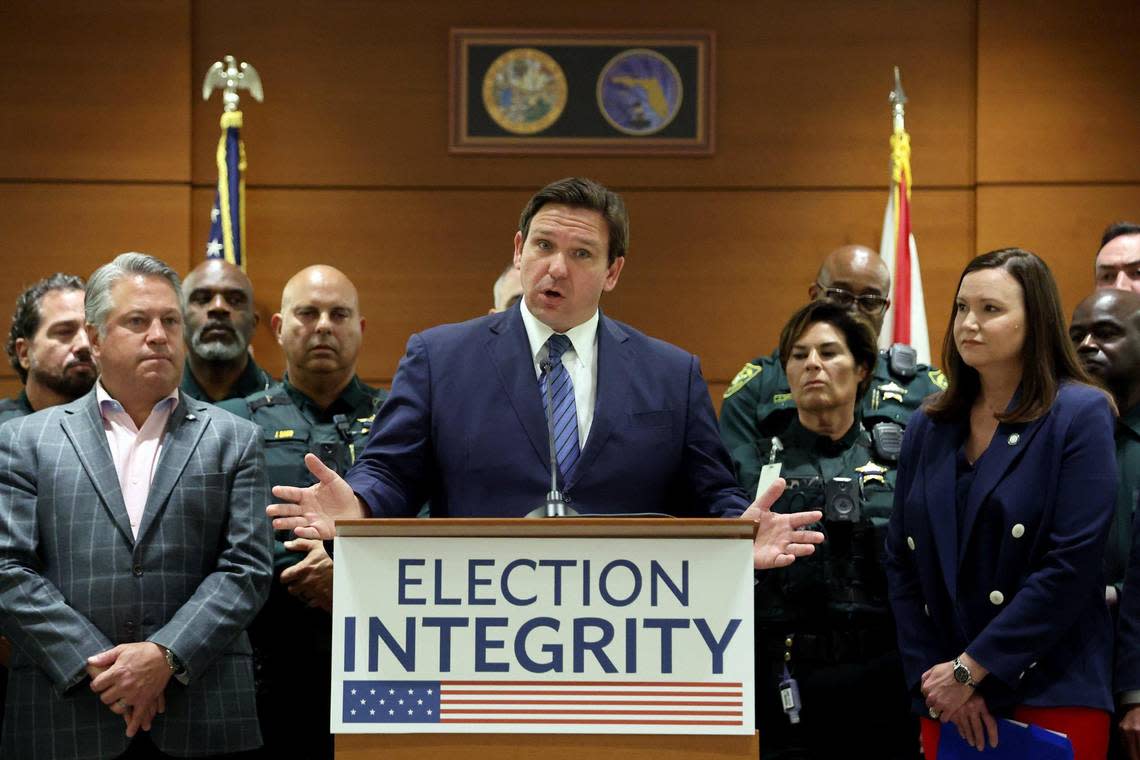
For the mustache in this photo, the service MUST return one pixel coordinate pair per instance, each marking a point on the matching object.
(83, 360)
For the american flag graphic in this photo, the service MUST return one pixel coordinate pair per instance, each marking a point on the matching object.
(630, 703)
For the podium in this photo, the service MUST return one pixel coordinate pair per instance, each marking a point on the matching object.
(581, 604)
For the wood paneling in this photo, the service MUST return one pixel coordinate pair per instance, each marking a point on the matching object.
(1057, 91)
(95, 90)
(1063, 224)
(49, 228)
(716, 273)
(356, 93)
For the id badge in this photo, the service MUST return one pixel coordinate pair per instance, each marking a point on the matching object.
(768, 475)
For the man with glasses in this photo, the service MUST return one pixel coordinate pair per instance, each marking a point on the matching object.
(758, 402)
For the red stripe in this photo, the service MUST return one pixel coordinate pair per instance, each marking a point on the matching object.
(736, 714)
(586, 702)
(607, 692)
(576, 721)
(902, 265)
(702, 684)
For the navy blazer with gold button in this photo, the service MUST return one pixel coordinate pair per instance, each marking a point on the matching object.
(1034, 614)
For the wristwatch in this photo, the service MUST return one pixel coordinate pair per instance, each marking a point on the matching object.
(962, 673)
(175, 664)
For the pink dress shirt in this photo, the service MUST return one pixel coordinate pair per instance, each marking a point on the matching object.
(134, 450)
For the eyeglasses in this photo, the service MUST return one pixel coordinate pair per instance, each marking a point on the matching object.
(868, 304)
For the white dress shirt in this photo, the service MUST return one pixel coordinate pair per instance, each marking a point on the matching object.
(580, 360)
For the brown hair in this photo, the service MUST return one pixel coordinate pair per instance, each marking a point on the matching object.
(1047, 357)
(857, 332)
(585, 193)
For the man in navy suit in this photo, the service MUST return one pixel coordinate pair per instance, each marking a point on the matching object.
(465, 426)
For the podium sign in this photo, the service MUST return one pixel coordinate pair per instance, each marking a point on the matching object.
(488, 631)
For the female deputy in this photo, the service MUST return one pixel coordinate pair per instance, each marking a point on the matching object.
(1005, 491)
(824, 623)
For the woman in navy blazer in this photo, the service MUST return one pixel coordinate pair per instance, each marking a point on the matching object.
(1005, 490)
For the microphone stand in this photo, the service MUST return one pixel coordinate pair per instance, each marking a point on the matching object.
(555, 505)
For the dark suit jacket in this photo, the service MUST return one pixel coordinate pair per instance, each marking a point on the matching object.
(464, 428)
(1034, 613)
(75, 582)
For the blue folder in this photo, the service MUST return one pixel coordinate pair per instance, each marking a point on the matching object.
(1016, 741)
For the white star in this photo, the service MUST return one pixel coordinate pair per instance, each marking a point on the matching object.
(353, 711)
(371, 712)
(419, 701)
(381, 701)
(362, 702)
(401, 701)
(429, 691)
(372, 692)
(214, 214)
(391, 691)
(429, 711)
(391, 712)
(410, 691)
(354, 692)
(409, 712)
(214, 247)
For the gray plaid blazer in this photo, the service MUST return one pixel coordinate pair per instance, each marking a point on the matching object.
(75, 582)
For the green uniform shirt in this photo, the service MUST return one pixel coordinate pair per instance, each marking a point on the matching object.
(251, 380)
(842, 585)
(758, 403)
(1128, 463)
(11, 408)
(292, 426)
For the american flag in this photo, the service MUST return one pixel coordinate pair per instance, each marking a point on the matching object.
(650, 703)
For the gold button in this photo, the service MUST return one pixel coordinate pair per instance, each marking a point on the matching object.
(788, 642)
(910, 542)
(996, 597)
(787, 656)
(1018, 531)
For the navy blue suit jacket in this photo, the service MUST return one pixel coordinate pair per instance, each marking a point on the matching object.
(1040, 507)
(464, 428)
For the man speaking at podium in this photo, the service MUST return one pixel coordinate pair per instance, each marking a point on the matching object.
(474, 406)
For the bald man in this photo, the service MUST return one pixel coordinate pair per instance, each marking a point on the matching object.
(217, 308)
(758, 403)
(508, 289)
(320, 406)
(1105, 330)
(1118, 260)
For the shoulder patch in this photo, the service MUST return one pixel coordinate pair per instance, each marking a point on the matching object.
(937, 378)
(749, 371)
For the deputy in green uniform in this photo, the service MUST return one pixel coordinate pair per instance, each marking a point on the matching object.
(856, 278)
(829, 681)
(1105, 330)
(321, 407)
(220, 319)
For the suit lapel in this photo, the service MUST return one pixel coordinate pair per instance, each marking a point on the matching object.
(509, 349)
(940, 464)
(615, 368)
(83, 426)
(1007, 444)
(187, 423)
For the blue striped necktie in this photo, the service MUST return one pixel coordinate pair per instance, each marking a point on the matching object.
(565, 414)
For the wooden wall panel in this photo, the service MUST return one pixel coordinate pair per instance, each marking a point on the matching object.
(1063, 224)
(95, 90)
(356, 93)
(48, 228)
(1057, 91)
(716, 273)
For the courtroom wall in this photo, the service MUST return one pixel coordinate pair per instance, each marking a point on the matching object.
(1023, 117)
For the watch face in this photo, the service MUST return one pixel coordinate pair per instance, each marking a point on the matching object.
(961, 673)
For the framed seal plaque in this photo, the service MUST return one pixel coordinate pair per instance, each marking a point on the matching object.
(581, 92)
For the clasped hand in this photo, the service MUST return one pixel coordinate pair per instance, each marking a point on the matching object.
(131, 680)
(958, 703)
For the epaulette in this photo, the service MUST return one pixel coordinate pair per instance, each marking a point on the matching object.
(270, 399)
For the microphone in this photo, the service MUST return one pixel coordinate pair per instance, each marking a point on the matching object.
(555, 505)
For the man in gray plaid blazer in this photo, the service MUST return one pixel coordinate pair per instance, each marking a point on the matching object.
(134, 549)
